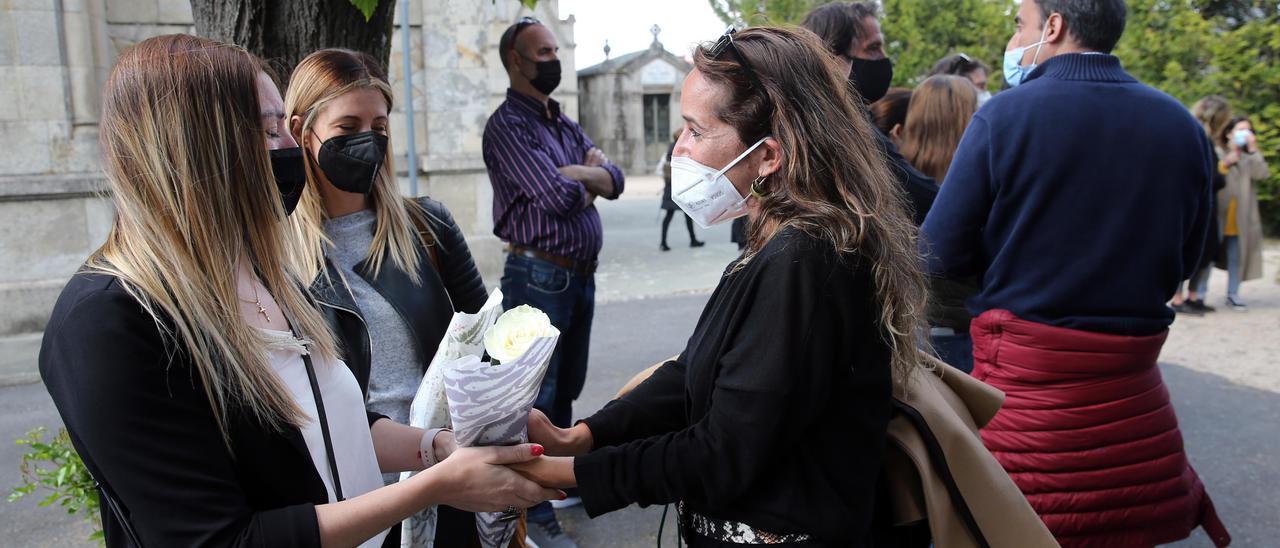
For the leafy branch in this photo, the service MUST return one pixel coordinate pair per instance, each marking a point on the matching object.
(71, 486)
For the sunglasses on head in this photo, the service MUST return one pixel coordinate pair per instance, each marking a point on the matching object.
(521, 24)
(725, 43)
(963, 63)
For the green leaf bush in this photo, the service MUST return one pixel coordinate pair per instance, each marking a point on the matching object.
(54, 466)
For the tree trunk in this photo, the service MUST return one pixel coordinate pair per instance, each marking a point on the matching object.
(285, 31)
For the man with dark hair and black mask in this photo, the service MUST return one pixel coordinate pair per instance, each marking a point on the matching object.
(546, 175)
(851, 31)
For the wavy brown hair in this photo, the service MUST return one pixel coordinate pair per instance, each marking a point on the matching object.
(401, 228)
(891, 110)
(834, 183)
(182, 143)
(940, 110)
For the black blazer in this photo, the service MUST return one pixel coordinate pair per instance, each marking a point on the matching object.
(138, 416)
(455, 286)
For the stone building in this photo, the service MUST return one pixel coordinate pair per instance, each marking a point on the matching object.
(55, 56)
(630, 105)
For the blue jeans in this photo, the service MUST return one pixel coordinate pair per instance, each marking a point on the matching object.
(1233, 265)
(569, 299)
(956, 350)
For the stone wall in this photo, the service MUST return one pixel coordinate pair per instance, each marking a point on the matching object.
(55, 56)
(52, 65)
(467, 83)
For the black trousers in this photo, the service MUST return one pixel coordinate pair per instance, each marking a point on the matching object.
(666, 222)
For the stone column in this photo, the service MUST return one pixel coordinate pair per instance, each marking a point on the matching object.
(51, 213)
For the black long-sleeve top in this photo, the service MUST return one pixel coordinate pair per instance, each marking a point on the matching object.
(775, 414)
(137, 413)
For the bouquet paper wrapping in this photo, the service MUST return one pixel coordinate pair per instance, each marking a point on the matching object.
(464, 337)
(490, 404)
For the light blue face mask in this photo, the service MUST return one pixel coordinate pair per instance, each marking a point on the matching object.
(1014, 72)
(1241, 138)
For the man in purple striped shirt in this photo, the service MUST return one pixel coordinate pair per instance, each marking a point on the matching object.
(546, 176)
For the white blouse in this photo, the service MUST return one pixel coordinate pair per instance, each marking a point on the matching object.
(344, 407)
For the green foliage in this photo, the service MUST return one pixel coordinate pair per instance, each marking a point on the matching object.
(917, 32)
(1193, 48)
(56, 466)
(920, 32)
(366, 7)
(766, 12)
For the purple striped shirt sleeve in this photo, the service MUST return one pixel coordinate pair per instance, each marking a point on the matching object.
(522, 161)
(619, 181)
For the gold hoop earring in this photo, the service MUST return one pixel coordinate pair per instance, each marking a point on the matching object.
(755, 187)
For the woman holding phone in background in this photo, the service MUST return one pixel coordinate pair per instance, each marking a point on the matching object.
(1243, 165)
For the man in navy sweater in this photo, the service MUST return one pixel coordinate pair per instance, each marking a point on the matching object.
(1081, 195)
(1080, 198)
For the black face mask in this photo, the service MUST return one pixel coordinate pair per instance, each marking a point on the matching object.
(351, 162)
(291, 176)
(547, 78)
(872, 78)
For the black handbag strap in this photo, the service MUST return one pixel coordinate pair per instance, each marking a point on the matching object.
(324, 427)
(105, 499)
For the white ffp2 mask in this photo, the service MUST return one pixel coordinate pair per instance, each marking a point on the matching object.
(705, 194)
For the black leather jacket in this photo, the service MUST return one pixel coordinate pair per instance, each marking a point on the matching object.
(426, 309)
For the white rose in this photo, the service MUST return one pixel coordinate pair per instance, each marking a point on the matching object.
(514, 331)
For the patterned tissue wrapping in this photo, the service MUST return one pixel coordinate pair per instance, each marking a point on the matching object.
(430, 407)
(489, 405)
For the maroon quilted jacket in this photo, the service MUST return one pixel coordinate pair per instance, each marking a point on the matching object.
(1089, 435)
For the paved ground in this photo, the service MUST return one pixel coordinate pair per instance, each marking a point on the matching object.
(1220, 370)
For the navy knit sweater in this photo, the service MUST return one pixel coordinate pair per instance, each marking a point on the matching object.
(1081, 199)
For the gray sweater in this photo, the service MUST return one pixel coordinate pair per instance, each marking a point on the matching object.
(396, 368)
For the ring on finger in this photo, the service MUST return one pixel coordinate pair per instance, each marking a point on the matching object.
(509, 514)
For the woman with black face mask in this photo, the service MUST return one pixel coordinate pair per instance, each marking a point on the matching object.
(287, 165)
(389, 271)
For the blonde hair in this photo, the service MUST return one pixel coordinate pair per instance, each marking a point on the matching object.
(182, 141)
(940, 110)
(402, 228)
(1214, 114)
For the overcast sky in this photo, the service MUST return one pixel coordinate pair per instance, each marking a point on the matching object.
(626, 25)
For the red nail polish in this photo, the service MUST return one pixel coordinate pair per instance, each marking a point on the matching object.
(538, 450)
(564, 495)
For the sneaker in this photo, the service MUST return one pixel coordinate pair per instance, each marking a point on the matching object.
(549, 535)
(566, 503)
(1236, 304)
(1185, 308)
(1198, 305)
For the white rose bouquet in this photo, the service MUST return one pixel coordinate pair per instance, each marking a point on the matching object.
(430, 407)
(487, 403)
